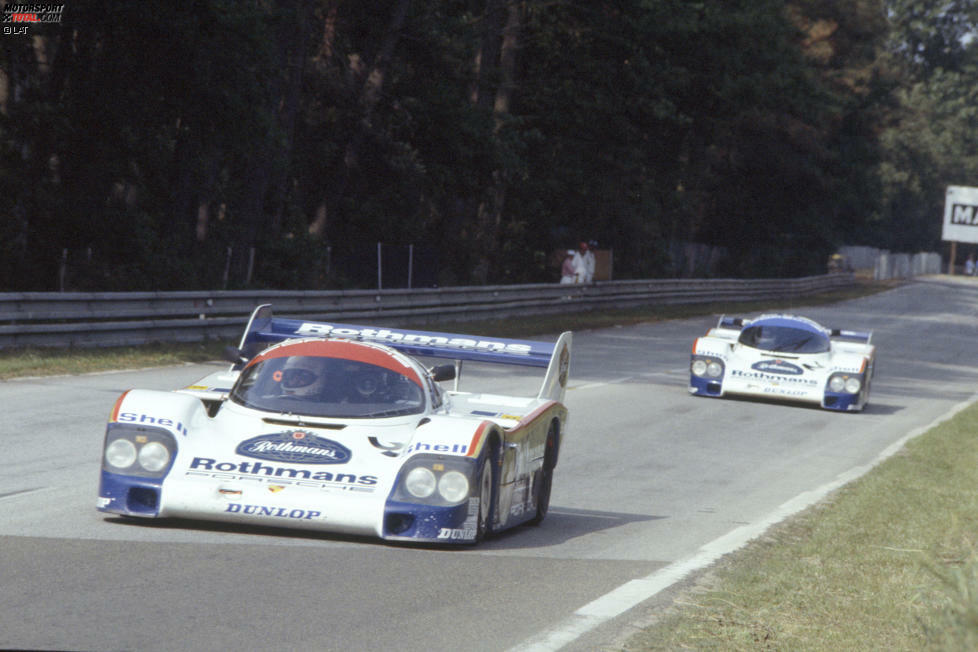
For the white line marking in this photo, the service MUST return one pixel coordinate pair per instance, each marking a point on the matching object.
(24, 492)
(634, 592)
(625, 379)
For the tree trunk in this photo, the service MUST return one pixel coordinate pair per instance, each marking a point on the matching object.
(371, 86)
(489, 215)
(293, 37)
(260, 211)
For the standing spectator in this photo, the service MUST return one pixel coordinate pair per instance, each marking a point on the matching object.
(591, 259)
(578, 266)
(567, 273)
(584, 263)
(969, 266)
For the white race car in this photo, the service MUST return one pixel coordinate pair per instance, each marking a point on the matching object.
(784, 357)
(340, 428)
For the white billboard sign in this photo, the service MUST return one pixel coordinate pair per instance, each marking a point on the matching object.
(961, 214)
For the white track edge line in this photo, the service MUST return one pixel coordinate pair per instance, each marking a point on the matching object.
(634, 592)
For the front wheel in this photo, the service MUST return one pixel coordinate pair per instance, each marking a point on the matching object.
(487, 494)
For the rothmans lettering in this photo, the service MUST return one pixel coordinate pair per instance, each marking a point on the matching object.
(257, 468)
(395, 337)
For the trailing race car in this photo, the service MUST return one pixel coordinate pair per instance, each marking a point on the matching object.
(784, 357)
(340, 428)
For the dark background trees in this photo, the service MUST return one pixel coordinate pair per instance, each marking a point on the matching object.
(274, 143)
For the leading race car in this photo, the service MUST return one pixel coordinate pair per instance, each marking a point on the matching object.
(341, 428)
(784, 357)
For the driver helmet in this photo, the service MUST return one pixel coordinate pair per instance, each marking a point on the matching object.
(303, 376)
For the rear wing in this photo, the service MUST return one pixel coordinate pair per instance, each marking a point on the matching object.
(264, 329)
(735, 323)
(859, 337)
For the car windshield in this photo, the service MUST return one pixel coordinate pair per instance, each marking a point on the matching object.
(327, 387)
(784, 339)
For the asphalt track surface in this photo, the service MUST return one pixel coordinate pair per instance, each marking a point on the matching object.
(653, 485)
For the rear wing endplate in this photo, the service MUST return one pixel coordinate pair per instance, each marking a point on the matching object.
(730, 322)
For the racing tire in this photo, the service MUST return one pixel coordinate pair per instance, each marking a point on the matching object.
(488, 482)
(545, 476)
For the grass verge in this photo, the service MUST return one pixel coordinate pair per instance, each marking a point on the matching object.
(54, 361)
(886, 563)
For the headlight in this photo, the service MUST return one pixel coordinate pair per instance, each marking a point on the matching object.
(420, 482)
(849, 384)
(438, 480)
(121, 453)
(453, 486)
(154, 457)
(706, 367)
(141, 451)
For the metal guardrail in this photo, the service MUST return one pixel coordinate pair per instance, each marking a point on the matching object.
(92, 319)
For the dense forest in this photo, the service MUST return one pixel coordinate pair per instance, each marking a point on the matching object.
(159, 145)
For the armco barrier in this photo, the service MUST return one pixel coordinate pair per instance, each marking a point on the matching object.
(91, 319)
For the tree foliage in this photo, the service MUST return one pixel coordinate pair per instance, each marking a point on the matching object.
(274, 143)
(929, 140)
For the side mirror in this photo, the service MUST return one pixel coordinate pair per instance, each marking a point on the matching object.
(234, 354)
(443, 372)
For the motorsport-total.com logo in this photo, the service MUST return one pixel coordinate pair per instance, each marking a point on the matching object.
(19, 16)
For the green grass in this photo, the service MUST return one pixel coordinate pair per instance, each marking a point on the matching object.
(886, 563)
(54, 361)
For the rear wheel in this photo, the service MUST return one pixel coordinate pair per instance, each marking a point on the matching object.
(545, 476)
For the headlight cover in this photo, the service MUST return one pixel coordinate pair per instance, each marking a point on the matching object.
(120, 454)
(138, 450)
(453, 486)
(420, 482)
(435, 480)
(845, 384)
(706, 367)
(153, 457)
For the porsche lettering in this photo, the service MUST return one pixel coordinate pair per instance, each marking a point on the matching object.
(323, 484)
